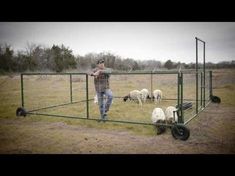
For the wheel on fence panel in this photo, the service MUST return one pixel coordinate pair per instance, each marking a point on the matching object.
(160, 128)
(215, 99)
(20, 112)
(180, 132)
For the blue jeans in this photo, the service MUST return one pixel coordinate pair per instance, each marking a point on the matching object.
(104, 105)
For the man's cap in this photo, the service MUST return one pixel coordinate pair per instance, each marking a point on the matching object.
(100, 61)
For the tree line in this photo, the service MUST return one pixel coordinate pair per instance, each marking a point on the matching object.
(61, 58)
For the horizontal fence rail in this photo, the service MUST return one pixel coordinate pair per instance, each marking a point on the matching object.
(180, 98)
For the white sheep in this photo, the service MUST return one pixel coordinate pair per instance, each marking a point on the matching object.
(144, 95)
(134, 95)
(158, 116)
(157, 95)
(170, 114)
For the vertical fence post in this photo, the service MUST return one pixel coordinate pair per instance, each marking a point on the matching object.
(178, 90)
(22, 89)
(196, 75)
(87, 98)
(201, 87)
(181, 99)
(151, 94)
(204, 71)
(210, 86)
(202, 81)
(71, 88)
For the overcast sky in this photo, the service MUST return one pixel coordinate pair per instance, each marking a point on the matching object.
(138, 40)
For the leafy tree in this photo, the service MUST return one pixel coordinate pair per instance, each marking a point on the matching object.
(6, 55)
(168, 64)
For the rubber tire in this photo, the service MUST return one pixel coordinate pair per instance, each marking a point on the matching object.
(180, 132)
(215, 99)
(20, 112)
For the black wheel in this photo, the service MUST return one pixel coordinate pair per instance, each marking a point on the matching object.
(160, 128)
(180, 132)
(215, 99)
(20, 112)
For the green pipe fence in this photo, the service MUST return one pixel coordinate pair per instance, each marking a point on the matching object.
(22, 89)
(71, 88)
(180, 97)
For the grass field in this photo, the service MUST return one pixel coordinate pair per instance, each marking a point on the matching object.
(42, 91)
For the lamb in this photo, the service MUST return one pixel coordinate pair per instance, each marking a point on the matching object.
(157, 95)
(158, 116)
(170, 117)
(144, 95)
(134, 95)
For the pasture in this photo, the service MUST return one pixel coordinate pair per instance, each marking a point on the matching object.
(43, 91)
(48, 90)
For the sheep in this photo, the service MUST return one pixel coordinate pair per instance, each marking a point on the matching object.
(144, 95)
(134, 95)
(158, 116)
(157, 95)
(170, 114)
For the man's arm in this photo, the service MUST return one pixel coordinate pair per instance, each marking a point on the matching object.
(96, 71)
(92, 73)
(106, 71)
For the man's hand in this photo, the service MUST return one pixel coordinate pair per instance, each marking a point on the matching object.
(96, 73)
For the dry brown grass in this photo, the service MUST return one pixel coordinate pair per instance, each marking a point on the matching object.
(39, 134)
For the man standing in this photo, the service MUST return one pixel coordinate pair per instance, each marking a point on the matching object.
(101, 81)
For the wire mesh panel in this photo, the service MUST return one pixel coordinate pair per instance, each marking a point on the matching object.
(189, 94)
(78, 88)
(167, 83)
(45, 90)
(197, 94)
(63, 94)
(122, 84)
(207, 87)
(72, 95)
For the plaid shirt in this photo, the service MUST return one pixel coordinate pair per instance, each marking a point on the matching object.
(102, 80)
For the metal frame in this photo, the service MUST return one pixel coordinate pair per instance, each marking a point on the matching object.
(33, 112)
(179, 99)
(202, 75)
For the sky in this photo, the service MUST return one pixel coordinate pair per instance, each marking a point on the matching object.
(137, 40)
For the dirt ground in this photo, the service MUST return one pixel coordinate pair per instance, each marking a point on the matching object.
(212, 132)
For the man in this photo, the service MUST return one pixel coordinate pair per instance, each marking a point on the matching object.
(101, 81)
